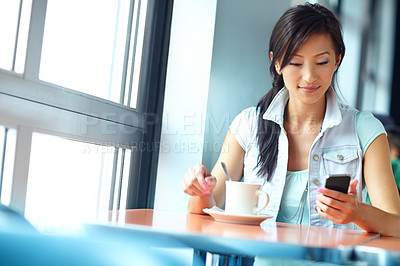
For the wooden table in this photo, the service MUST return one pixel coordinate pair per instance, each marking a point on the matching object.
(271, 239)
(311, 236)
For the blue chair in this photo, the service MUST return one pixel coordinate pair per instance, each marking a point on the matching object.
(13, 222)
(22, 244)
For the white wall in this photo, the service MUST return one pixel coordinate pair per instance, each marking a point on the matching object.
(351, 19)
(218, 65)
(240, 65)
(187, 83)
(379, 58)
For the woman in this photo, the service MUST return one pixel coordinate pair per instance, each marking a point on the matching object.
(299, 133)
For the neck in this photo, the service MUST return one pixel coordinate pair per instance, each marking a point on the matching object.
(306, 118)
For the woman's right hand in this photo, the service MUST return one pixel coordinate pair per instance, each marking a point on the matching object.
(198, 181)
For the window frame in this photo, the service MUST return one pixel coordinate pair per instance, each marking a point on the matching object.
(142, 183)
(52, 109)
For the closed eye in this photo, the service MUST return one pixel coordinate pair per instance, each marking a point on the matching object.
(294, 64)
(323, 63)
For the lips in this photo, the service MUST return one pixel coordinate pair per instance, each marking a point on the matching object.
(309, 89)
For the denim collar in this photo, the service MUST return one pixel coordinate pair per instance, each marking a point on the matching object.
(276, 110)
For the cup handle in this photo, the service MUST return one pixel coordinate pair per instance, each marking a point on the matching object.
(260, 192)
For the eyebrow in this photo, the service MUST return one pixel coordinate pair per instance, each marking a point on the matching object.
(326, 52)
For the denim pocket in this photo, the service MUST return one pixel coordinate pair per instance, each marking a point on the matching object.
(341, 160)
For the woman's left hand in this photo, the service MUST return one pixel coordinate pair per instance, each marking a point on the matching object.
(338, 207)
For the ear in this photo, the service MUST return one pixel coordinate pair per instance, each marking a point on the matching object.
(277, 66)
(337, 61)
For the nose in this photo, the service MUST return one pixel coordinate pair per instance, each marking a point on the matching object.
(309, 73)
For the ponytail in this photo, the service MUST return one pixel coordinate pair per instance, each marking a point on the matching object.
(268, 133)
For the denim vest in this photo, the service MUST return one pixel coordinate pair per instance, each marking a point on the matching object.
(336, 150)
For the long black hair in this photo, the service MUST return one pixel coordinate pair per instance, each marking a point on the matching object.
(293, 28)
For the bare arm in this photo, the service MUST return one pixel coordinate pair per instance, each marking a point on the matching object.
(233, 156)
(208, 189)
(382, 191)
(383, 216)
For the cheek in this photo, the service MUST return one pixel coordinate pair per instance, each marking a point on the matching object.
(290, 76)
(289, 80)
(327, 76)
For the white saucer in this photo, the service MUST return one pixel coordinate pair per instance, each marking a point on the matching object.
(219, 215)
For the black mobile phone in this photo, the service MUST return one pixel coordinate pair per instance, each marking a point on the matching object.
(338, 182)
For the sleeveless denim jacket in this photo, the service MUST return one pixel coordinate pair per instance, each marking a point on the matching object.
(336, 150)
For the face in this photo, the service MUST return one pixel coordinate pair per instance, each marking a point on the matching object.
(309, 73)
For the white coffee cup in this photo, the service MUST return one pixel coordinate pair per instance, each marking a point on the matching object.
(242, 198)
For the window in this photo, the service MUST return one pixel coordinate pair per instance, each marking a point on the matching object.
(7, 153)
(14, 22)
(80, 96)
(68, 171)
(100, 45)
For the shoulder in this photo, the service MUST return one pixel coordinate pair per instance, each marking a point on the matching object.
(367, 119)
(348, 114)
(363, 118)
(250, 113)
(368, 128)
(247, 117)
(347, 109)
(244, 126)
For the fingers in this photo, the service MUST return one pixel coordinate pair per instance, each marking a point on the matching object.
(339, 196)
(324, 201)
(189, 186)
(197, 181)
(211, 181)
(331, 214)
(333, 194)
(353, 186)
(331, 209)
(338, 216)
(192, 183)
(336, 206)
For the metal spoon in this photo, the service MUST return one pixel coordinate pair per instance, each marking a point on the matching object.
(226, 171)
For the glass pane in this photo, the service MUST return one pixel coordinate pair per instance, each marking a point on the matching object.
(23, 36)
(135, 54)
(68, 182)
(84, 45)
(121, 186)
(8, 137)
(9, 10)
